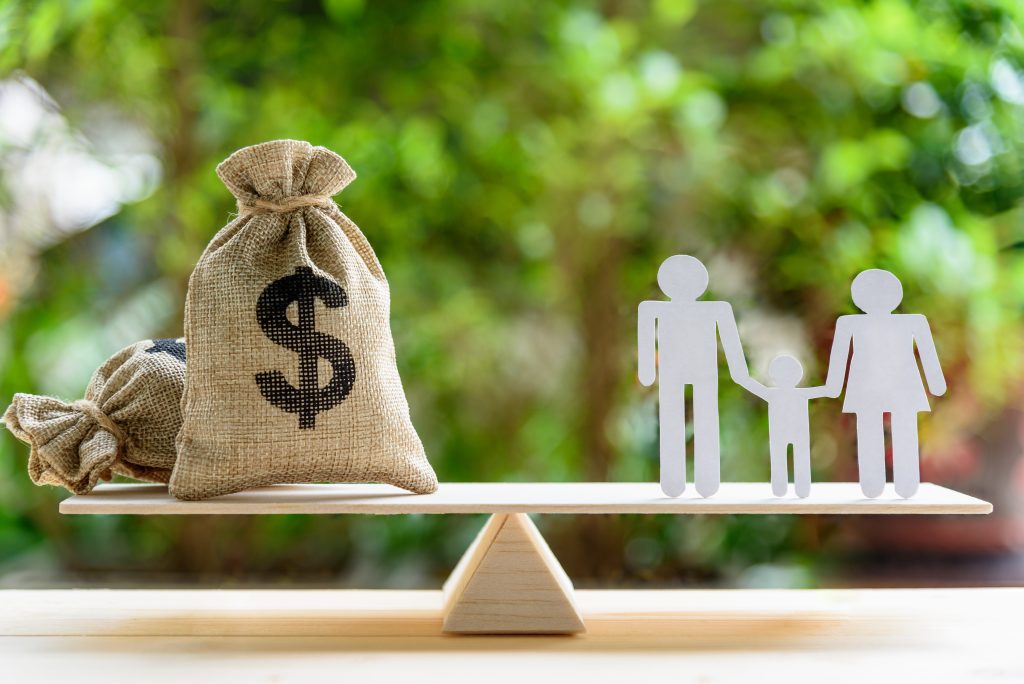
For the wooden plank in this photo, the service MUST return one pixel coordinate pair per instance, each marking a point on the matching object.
(676, 613)
(736, 658)
(521, 497)
(723, 636)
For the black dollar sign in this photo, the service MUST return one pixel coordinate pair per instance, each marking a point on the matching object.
(309, 399)
(168, 345)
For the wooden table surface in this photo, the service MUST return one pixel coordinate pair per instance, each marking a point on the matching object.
(829, 636)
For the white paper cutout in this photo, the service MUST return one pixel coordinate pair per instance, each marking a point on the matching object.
(788, 423)
(884, 378)
(677, 342)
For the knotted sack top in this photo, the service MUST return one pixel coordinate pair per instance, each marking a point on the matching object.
(255, 411)
(125, 425)
(284, 175)
(74, 444)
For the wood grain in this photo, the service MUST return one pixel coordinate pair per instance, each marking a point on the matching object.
(509, 582)
(673, 613)
(722, 636)
(521, 497)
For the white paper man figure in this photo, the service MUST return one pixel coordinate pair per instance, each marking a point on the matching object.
(884, 378)
(687, 354)
(788, 423)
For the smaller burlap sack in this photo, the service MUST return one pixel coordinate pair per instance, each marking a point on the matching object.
(125, 425)
(291, 364)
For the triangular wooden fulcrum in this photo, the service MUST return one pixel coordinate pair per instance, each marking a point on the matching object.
(509, 582)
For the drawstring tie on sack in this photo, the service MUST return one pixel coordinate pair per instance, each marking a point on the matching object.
(283, 206)
(91, 409)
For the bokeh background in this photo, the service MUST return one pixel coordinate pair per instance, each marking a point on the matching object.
(523, 170)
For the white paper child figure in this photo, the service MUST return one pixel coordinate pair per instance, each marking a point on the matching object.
(884, 378)
(687, 354)
(788, 423)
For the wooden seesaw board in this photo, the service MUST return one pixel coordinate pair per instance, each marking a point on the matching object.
(509, 581)
(827, 498)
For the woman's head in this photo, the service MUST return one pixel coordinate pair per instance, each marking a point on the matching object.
(876, 291)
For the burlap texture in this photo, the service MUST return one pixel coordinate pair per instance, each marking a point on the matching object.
(126, 424)
(291, 366)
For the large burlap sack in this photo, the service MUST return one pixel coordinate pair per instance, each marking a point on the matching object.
(291, 364)
(126, 424)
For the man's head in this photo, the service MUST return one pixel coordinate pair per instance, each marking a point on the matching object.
(683, 277)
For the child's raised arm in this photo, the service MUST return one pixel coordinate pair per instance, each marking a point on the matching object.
(753, 386)
(816, 392)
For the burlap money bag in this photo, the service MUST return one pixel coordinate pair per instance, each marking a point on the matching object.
(126, 424)
(291, 365)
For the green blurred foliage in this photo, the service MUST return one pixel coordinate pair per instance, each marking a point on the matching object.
(523, 170)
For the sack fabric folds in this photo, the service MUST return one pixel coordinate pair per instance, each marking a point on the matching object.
(125, 425)
(291, 363)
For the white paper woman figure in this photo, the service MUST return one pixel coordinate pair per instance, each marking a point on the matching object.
(687, 354)
(884, 378)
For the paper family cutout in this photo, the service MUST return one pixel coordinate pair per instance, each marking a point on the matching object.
(678, 346)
